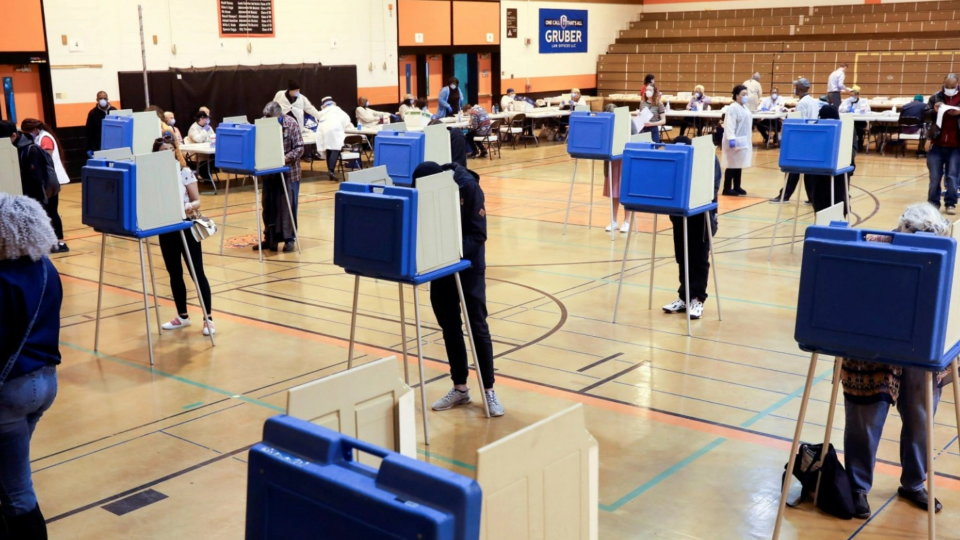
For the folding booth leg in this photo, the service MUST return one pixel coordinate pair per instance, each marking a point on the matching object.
(223, 220)
(256, 202)
(686, 272)
(849, 197)
(833, 192)
(423, 378)
(473, 344)
(837, 365)
(403, 335)
(956, 392)
(785, 490)
(796, 213)
(103, 252)
(293, 220)
(593, 165)
(146, 302)
(931, 495)
(776, 224)
(623, 266)
(196, 282)
(153, 283)
(573, 180)
(353, 320)
(613, 217)
(653, 264)
(713, 263)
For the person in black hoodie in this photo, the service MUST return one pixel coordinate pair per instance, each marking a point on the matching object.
(446, 300)
(820, 184)
(33, 163)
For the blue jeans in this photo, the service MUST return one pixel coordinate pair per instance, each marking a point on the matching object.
(941, 159)
(861, 437)
(22, 402)
(654, 133)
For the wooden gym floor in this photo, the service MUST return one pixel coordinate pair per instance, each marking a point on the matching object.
(693, 432)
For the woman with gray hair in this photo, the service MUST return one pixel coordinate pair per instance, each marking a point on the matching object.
(30, 298)
(280, 225)
(870, 388)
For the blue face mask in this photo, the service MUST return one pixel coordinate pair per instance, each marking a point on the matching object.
(744, 99)
(294, 95)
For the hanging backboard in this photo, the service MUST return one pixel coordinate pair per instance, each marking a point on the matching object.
(436, 144)
(541, 483)
(373, 175)
(704, 165)
(369, 402)
(269, 152)
(159, 202)
(439, 239)
(9, 169)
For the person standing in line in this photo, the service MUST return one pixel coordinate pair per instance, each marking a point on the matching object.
(835, 85)
(737, 150)
(754, 92)
(809, 109)
(94, 127)
(44, 136)
(30, 299)
(278, 226)
(651, 101)
(943, 157)
(451, 99)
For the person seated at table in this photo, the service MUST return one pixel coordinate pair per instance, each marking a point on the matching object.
(424, 108)
(576, 100)
(409, 103)
(698, 102)
(172, 121)
(368, 117)
(651, 101)
(772, 103)
(201, 133)
(855, 105)
(507, 100)
(479, 127)
(612, 188)
(164, 129)
(869, 389)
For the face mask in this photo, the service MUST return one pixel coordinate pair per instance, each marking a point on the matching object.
(172, 122)
(856, 99)
(513, 96)
(453, 87)
(366, 103)
(649, 93)
(744, 100)
(294, 95)
(773, 96)
(697, 95)
(102, 103)
(949, 92)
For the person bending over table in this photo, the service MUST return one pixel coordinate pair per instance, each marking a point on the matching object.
(277, 224)
(869, 389)
(332, 133)
(479, 127)
(698, 102)
(294, 103)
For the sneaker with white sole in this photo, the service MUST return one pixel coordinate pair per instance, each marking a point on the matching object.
(613, 225)
(625, 227)
(453, 398)
(209, 328)
(493, 404)
(177, 323)
(951, 210)
(696, 309)
(678, 306)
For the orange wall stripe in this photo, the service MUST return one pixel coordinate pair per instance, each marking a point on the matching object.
(379, 95)
(75, 114)
(23, 26)
(549, 84)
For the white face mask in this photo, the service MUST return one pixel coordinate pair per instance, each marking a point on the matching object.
(649, 93)
(453, 87)
(103, 103)
(366, 103)
(696, 95)
(773, 96)
(294, 95)
(949, 92)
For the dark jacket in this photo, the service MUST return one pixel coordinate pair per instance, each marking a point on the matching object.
(458, 147)
(933, 133)
(473, 215)
(95, 126)
(33, 167)
(21, 281)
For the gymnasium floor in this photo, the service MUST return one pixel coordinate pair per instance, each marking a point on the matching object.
(693, 433)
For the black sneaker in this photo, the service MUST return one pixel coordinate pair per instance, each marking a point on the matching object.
(264, 246)
(60, 248)
(740, 191)
(861, 506)
(776, 200)
(288, 246)
(918, 498)
(730, 193)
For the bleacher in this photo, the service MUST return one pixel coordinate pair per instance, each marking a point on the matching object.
(899, 49)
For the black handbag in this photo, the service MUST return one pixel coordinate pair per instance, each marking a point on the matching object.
(834, 494)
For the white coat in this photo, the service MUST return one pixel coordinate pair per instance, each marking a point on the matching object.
(62, 175)
(332, 131)
(737, 126)
(299, 106)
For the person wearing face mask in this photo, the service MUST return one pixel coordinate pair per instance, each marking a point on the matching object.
(855, 105)
(409, 104)
(368, 117)
(451, 99)
(576, 99)
(95, 122)
(809, 109)
(772, 103)
(698, 102)
(506, 102)
(332, 133)
(199, 132)
(649, 80)
(294, 103)
(171, 121)
(737, 145)
(47, 140)
(651, 101)
(943, 157)
(278, 224)
(754, 92)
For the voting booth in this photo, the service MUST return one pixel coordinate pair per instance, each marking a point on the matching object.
(136, 131)
(673, 180)
(138, 198)
(878, 296)
(404, 235)
(9, 169)
(814, 147)
(596, 136)
(303, 483)
(402, 151)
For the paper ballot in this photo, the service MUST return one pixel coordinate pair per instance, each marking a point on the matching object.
(642, 118)
(942, 111)
(828, 215)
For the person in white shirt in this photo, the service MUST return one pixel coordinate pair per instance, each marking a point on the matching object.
(200, 132)
(737, 146)
(507, 100)
(855, 105)
(754, 92)
(835, 85)
(46, 139)
(292, 101)
(171, 121)
(332, 132)
(368, 117)
(809, 109)
(576, 99)
(772, 103)
(409, 104)
(698, 102)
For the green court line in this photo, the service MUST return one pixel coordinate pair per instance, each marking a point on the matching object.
(460, 464)
(192, 405)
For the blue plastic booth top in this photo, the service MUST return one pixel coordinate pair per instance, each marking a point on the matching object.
(401, 152)
(236, 147)
(884, 302)
(591, 135)
(303, 484)
(656, 179)
(810, 146)
(117, 132)
(110, 200)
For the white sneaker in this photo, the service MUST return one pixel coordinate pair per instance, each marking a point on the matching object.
(951, 210)
(177, 323)
(678, 306)
(625, 227)
(209, 328)
(613, 225)
(493, 404)
(453, 398)
(696, 309)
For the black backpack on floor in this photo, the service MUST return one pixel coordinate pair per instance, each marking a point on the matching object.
(835, 496)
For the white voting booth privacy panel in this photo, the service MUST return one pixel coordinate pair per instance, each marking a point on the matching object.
(845, 153)
(369, 402)
(236, 120)
(642, 137)
(398, 127)
(828, 215)
(541, 483)
(436, 144)
(146, 130)
(439, 240)
(9, 169)
(415, 120)
(115, 154)
(701, 183)
(621, 129)
(373, 175)
(269, 152)
(953, 315)
(159, 201)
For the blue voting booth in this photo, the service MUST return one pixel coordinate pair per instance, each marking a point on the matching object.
(236, 147)
(116, 132)
(400, 152)
(814, 147)
(136, 199)
(304, 484)
(877, 296)
(672, 180)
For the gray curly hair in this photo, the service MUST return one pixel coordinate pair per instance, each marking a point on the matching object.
(272, 110)
(923, 217)
(25, 229)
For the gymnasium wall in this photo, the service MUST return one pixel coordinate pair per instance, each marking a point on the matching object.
(656, 6)
(363, 33)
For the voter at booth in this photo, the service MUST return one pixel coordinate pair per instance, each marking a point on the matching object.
(95, 122)
(368, 117)
(737, 145)
(332, 133)
(294, 103)
(869, 389)
(820, 184)
(507, 100)
(943, 157)
(809, 109)
(613, 187)
(451, 99)
(446, 300)
(44, 137)
(277, 223)
(772, 103)
(409, 104)
(855, 105)
(699, 101)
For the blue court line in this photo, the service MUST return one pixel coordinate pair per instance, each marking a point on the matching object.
(460, 464)
(784, 400)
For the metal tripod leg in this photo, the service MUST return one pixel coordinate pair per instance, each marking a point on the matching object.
(573, 180)
(473, 344)
(423, 378)
(146, 302)
(776, 224)
(713, 262)
(103, 251)
(293, 219)
(686, 272)
(153, 283)
(353, 320)
(623, 266)
(403, 335)
(653, 263)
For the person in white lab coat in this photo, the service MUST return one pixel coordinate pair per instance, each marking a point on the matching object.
(292, 101)
(737, 146)
(332, 132)
(409, 103)
(507, 100)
